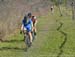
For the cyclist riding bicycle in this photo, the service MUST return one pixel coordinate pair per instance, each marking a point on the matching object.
(34, 20)
(27, 25)
(52, 9)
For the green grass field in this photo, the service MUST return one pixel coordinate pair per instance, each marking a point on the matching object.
(48, 41)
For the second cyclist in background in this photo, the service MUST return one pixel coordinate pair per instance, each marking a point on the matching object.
(34, 20)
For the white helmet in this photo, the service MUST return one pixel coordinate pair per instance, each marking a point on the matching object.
(34, 17)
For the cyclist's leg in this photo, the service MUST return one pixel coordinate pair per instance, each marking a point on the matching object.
(30, 34)
(24, 32)
(33, 33)
(35, 30)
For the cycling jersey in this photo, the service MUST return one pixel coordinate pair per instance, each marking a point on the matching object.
(33, 19)
(27, 24)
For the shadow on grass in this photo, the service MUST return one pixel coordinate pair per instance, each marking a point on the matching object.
(13, 48)
(59, 54)
(11, 41)
(65, 39)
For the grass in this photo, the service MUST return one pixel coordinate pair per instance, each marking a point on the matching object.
(48, 39)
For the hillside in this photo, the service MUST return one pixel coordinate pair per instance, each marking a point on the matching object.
(13, 11)
(55, 38)
(55, 34)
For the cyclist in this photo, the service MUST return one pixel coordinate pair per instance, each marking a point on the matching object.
(34, 20)
(27, 25)
(52, 9)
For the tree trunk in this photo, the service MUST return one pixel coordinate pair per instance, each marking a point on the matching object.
(73, 10)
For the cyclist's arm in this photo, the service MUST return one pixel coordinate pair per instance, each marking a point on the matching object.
(22, 27)
(31, 24)
(35, 23)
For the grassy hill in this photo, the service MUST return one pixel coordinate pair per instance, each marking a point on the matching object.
(13, 11)
(55, 38)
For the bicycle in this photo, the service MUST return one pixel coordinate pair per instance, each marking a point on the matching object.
(27, 39)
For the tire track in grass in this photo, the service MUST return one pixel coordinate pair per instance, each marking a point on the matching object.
(65, 39)
(43, 32)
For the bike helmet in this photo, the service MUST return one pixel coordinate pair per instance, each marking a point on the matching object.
(29, 14)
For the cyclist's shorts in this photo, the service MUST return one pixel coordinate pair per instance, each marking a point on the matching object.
(28, 28)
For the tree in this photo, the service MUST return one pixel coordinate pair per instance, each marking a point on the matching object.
(58, 4)
(73, 9)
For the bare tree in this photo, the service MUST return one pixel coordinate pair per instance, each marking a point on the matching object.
(73, 10)
(59, 6)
